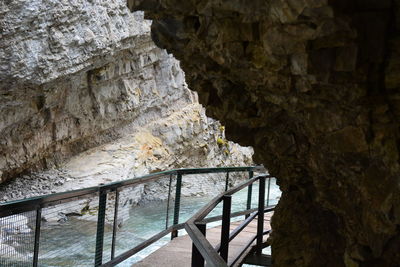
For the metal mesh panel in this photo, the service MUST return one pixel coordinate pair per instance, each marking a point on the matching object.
(193, 188)
(196, 184)
(236, 178)
(17, 235)
(254, 195)
(142, 213)
(128, 196)
(239, 200)
(132, 215)
(274, 194)
(169, 210)
(68, 232)
(109, 225)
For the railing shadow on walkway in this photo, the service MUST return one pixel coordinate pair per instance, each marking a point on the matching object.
(23, 220)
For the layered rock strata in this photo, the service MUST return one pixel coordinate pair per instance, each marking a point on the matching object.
(75, 75)
(88, 96)
(313, 87)
(186, 138)
(72, 75)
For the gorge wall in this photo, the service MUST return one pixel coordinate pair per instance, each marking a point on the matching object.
(86, 93)
(313, 86)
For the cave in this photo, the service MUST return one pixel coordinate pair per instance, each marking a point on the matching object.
(312, 85)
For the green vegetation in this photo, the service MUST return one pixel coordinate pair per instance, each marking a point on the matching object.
(222, 142)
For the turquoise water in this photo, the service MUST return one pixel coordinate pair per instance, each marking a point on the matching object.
(72, 243)
(150, 219)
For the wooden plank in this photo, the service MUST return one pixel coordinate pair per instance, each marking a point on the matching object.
(177, 253)
(262, 260)
(204, 247)
(141, 246)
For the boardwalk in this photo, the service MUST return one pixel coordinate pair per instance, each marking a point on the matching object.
(178, 252)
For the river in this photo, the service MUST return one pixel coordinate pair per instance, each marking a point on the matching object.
(72, 243)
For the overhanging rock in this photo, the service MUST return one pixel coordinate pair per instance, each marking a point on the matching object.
(313, 87)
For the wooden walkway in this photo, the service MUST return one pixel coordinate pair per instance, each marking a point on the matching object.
(178, 252)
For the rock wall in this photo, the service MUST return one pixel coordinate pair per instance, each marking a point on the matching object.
(86, 98)
(75, 75)
(186, 138)
(312, 85)
(63, 92)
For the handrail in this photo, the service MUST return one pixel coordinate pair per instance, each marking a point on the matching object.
(233, 214)
(207, 251)
(22, 205)
(203, 212)
(238, 229)
(36, 204)
(142, 246)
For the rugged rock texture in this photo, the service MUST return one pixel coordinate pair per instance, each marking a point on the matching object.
(84, 90)
(312, 85)
(72, 75)
(77, 74)
(186, 138)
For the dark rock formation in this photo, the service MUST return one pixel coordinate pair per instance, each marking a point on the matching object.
(313, 86)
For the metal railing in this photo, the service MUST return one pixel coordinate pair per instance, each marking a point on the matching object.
(26, 222)
(218, 256)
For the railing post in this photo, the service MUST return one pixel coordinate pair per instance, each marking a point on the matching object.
(260, 215)
(168, 200)
(100, 227)
(249, 193)
(269, 187)
(225, 228)
(37, 237)
(226, 181)
(115, 223)
(177, 203)
(197, 258)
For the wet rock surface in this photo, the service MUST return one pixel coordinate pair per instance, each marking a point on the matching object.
(313, 87)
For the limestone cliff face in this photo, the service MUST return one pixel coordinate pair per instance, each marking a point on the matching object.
(78, 74)
(72, 75)
(184, 139)
(312, 85)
